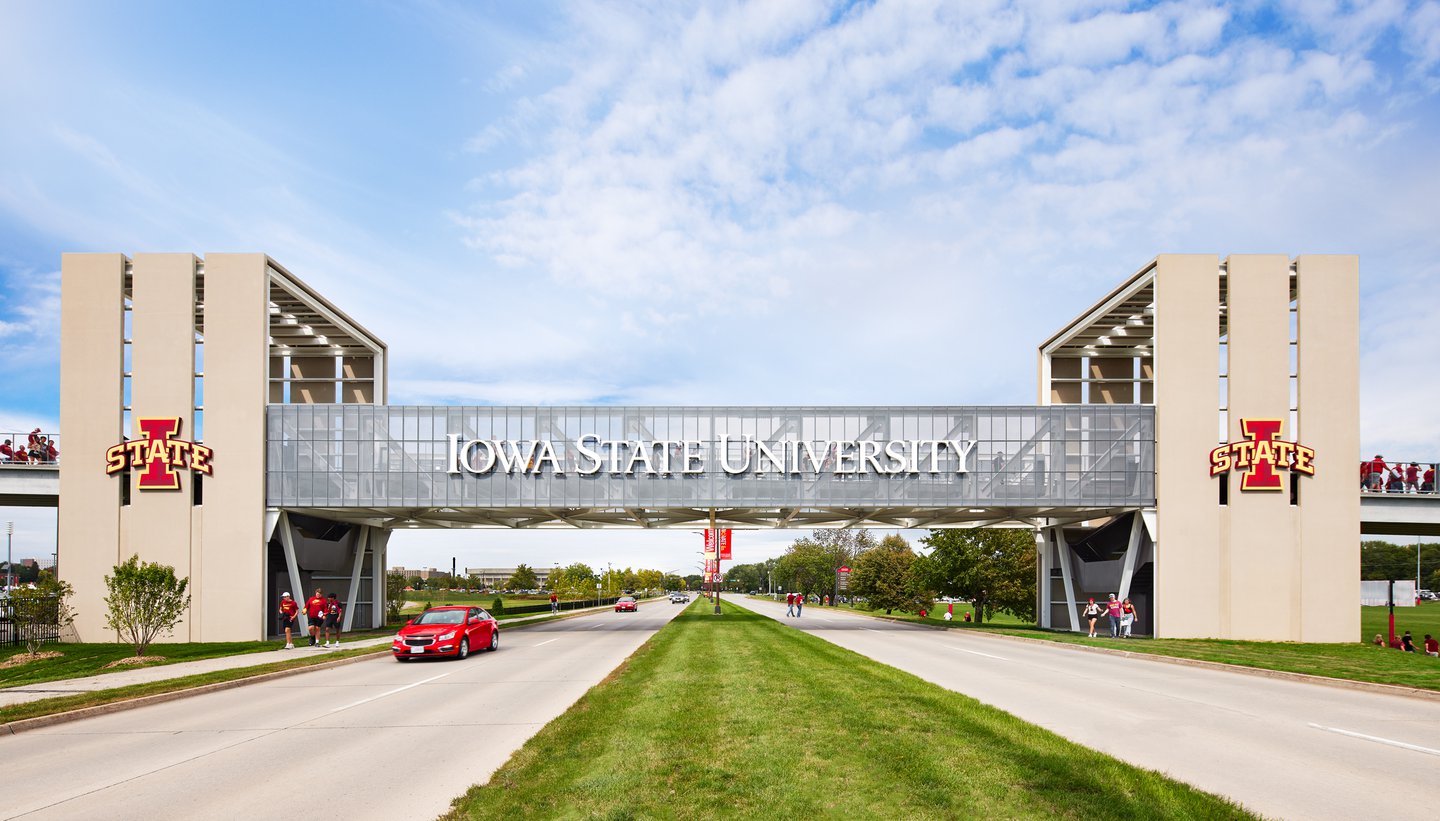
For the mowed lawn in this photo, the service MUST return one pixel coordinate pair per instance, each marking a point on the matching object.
(80, 660)
(739, 716)
(1359, 661)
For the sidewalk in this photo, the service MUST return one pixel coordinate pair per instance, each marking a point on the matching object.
(144, 675)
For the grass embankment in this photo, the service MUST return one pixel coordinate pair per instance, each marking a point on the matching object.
(1360, 661)
(64, 704)
(738, 716)
(79, 660)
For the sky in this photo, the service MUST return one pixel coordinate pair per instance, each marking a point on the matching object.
(713, 202)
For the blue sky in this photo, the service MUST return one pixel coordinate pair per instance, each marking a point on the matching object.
(748, 203)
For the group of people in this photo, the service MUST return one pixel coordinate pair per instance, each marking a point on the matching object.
(1406, 642)
(1378, 477)
(794, 603)
(1122, 616)
(323, 613)
(35, 450)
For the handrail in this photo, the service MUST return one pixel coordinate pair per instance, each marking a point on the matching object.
(35, 448)
(1378, 475)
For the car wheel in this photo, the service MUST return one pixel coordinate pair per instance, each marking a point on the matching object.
(494, 640)
(464, 651)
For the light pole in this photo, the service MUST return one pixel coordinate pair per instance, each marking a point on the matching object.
(9, 554)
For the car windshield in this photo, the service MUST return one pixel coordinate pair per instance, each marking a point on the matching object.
(627, 598)
(441, 617)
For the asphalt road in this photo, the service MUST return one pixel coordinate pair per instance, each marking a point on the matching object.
(371, 740)
(1284, 749)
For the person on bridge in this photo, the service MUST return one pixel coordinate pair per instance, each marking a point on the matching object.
(1375, 475)
(289, 610)
(1092, 613)
(1427, 480)
(1113, 609)
(315, 612)
(790, 603)
(1412, 478)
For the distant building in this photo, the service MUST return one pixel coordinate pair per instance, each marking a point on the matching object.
(497, 576)
(422, 572)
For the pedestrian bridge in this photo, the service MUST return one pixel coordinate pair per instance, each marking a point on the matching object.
(29, 485)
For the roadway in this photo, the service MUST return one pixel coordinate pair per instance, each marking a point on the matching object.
(375, 739)
(1282, 748)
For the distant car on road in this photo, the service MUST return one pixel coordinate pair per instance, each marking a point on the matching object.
(446, 631)
(627, 604)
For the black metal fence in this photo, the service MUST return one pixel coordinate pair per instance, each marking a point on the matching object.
(29, 618)
(564, 605)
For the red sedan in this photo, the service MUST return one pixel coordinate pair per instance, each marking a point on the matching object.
(627, 604)
(446, 631)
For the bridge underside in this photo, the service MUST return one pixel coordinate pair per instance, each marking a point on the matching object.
(689, 517)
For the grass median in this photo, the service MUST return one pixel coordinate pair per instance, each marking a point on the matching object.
(739, 716)
(1353, 662)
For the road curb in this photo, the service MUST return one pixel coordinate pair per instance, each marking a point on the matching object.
(1340, 683)
(26, 724)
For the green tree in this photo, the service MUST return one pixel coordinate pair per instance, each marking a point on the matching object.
(995, 567)
(885, 577)
(1381, 560)
(649, 579)
(146, 599)
(394, 595)
(522, 579)
(670, 581)
(694, 581)
(809, 564)
(576, 579)
(35, 610)
(745, 577)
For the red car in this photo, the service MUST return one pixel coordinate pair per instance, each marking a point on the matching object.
(446, 631)
(627, 604)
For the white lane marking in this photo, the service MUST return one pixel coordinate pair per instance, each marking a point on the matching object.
(1378, 740)
(978, 653)
(543, 643)
(391, 692)
(868, 628)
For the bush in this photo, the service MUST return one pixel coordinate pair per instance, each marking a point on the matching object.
(145, 600)
(497, 607)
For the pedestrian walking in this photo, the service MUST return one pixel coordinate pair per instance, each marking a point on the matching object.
(1092, 613)
(790, 603)
(289, 612)
(1127, 618)
(799, 604)
(315, 613)
(332, 621)
(554, 602)
(1113, 610)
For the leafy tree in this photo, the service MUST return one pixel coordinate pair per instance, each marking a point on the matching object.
(394, 595)
(1381, 560)
(745, 577)
(575, 579)
(994, 567)
(45, 605)
(650, 579)
(522, 579)
(885, 577)
(694, 581)
(670, 581)
(809, 564)
(146, 599)
(415, 582)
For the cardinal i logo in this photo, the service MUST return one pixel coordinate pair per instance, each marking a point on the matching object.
(1261, 455)
(159, 454)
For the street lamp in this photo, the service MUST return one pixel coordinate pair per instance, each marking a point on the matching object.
(9, 554)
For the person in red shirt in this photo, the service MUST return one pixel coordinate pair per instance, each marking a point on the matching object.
(1412, 478)
(1427, 480)
(315, 612)
(1376, 477)
(332, 621)
(289, 610)
(1432, 647)
(554, 602)
(7, 453)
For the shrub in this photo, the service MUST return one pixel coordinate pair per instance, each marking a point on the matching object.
(146, 599)
(497, 607)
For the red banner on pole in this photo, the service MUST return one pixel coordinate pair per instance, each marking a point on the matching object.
(718, 542)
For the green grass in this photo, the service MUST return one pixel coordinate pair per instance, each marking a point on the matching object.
(1356, 662)
(81, 660)
(738, 716)
(62, 704)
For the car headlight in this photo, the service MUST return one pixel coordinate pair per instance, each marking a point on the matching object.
(445, 636)
(399, 637)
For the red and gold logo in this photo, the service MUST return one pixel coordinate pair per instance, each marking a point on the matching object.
(159, 454)
(1262, 455)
